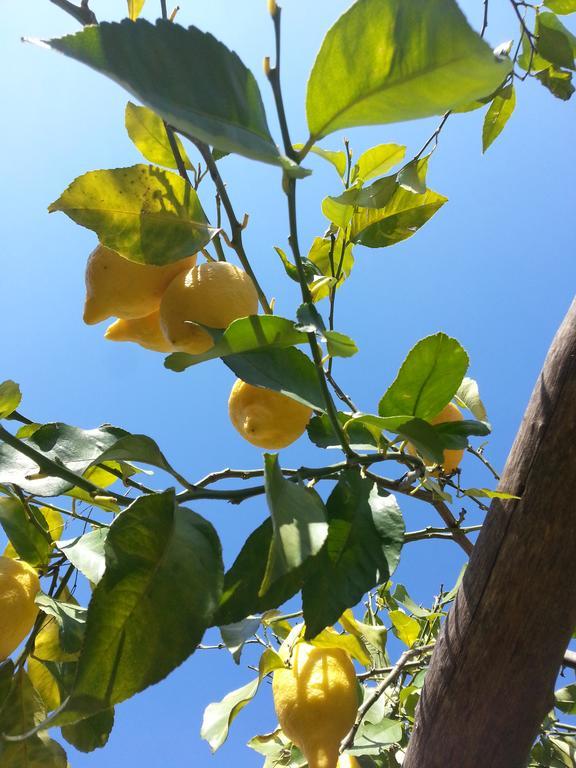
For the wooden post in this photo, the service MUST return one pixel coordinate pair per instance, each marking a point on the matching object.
(491, 678)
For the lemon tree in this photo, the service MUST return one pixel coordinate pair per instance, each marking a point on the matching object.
(312, 587)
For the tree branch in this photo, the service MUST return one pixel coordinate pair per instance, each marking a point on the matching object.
(81, 13)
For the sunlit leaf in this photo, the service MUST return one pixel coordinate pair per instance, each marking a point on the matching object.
(147, 214)
(468, 396)
(135, 8)
(405, 627)
(148, 133)
(413, 175)
(234, 636)
(361, 438)
(246, 334)
(558, 82)
(554, 42)
(87, 553)
(10, 397)
(336, 158)
(390, 60)
(561, 6)
(298, 520)
(352, 644)
(565, 699)
(332, 260)
(399, 219)
(26, 536)
(427, 380)
(377, 160)
(498, 115)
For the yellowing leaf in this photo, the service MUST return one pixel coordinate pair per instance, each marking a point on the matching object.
(44, 683)
(354, 646)
(135, 8)
(406, 628)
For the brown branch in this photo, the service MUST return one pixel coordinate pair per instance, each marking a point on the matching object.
(491, 678)
(81, 13)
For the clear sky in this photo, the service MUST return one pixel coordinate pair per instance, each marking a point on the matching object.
(495, 268)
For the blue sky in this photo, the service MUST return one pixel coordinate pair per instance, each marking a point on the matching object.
(495, 268)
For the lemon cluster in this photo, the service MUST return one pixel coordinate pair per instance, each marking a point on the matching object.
(19, 585)
(165, 308)
(316, 701)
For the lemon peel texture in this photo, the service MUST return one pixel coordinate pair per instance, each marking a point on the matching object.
(316, 701)
(266, 418)
(117, 287)
(145, 331)
(213, 294)
(19, 585)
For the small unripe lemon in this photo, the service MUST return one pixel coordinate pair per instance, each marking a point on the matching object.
(316, 701)
(266, 418)
(19, 585)
(452, 458)
(118, 287)
(145, 331)
(213, 294)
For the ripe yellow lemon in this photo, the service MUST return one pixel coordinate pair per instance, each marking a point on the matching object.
(117, 287)
(145, 331)
(452, 458)
(213, 294)
(19, 585)
(266, 418)
(316, 701)
(348, 761)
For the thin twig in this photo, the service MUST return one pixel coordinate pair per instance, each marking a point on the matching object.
(437, 533)
(484, 460)
(393, 675)
(434, 136)
(485, 19)
(235, 226)
(81, 13)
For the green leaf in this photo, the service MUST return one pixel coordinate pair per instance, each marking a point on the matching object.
(498, 115)
(558, 82)
(219, 716)
(87, 553)
(124, 52)
(149, 215)
(340, 210)
(22, 711)
(565, 699)
(398, 220)
(91, 733)
(73, 447)
(454, 434)
(412, 176)
(240, 596)
(247, 334)
(561, 6)
(71, 620)
(10, 397)
(400, 595)
(390, 60)
(336, 159)
(424, 438)
(365, 537)
(234, 636)
(377, 160)
(332, 261)
(310, 269)
(24, 536)
(159, 592)
(340, 345)
(135, 8)
(298, 521)
(148, 133)
(376, 423)
(488, 494)
(427, 380)
(140, 448)
(361, 438)
(405, 627)
(554, 42)
(287, 370)
(468, 396)
(370, 634)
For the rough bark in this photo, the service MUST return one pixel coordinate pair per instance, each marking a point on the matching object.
(491, 678)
